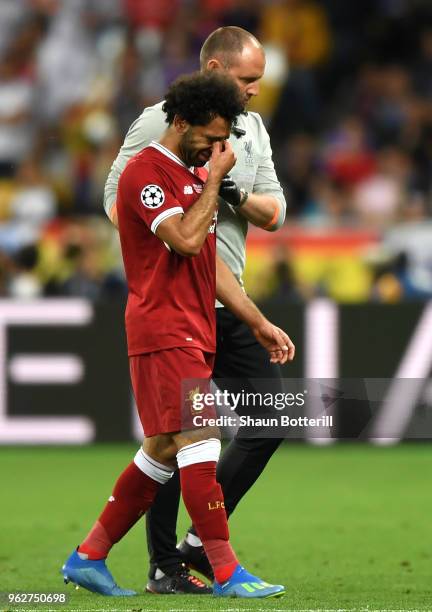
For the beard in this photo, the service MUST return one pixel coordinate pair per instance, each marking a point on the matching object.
(190, 156)
(186, 152)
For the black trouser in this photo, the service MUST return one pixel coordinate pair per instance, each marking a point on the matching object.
(238, 357)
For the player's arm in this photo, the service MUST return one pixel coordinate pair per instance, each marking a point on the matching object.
(232, 296)
(187, 233)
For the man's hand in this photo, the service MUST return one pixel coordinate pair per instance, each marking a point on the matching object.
(232, 296)
(221, 160)
(275, 341)
(230, 192)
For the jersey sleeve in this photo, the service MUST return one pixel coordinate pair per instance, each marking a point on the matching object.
(143, 187)
(147, 127)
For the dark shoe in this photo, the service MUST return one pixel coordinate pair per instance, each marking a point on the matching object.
(195, 559)
(180, 583)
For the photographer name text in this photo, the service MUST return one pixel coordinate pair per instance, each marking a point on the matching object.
(249, 421)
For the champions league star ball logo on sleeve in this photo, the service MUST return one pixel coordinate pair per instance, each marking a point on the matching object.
(152, 196)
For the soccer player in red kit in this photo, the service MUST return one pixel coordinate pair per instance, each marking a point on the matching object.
(167, 211)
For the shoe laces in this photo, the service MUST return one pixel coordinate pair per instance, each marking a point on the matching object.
(196, 581)
(184, 573)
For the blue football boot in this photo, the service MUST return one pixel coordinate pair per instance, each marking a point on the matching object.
(92, 575)
(243, 584)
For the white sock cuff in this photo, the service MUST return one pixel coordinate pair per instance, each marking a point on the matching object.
(155, 470)
(199, 452)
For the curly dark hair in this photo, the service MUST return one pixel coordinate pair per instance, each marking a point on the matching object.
(199, 97)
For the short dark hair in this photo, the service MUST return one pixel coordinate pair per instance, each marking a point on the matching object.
(198, 98)
(225, 43)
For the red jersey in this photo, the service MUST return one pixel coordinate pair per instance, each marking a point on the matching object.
(171, 297)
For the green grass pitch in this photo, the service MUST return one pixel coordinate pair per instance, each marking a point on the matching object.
(344, 527)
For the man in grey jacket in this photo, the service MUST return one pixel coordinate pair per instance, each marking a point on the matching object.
(252, 195)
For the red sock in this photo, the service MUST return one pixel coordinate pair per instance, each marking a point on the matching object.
(224, 559)
(204, 501)
(133, 494)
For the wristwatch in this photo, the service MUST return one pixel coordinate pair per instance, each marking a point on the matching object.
(244, 197)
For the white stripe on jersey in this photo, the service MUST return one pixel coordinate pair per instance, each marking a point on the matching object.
(176, 210)
(167, 152)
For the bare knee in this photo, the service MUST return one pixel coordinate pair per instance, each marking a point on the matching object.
(161, 448)
(184, 438)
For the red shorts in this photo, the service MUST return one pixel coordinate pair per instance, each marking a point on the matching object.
(163, 384)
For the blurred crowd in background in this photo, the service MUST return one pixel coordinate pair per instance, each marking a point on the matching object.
(347, 99)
